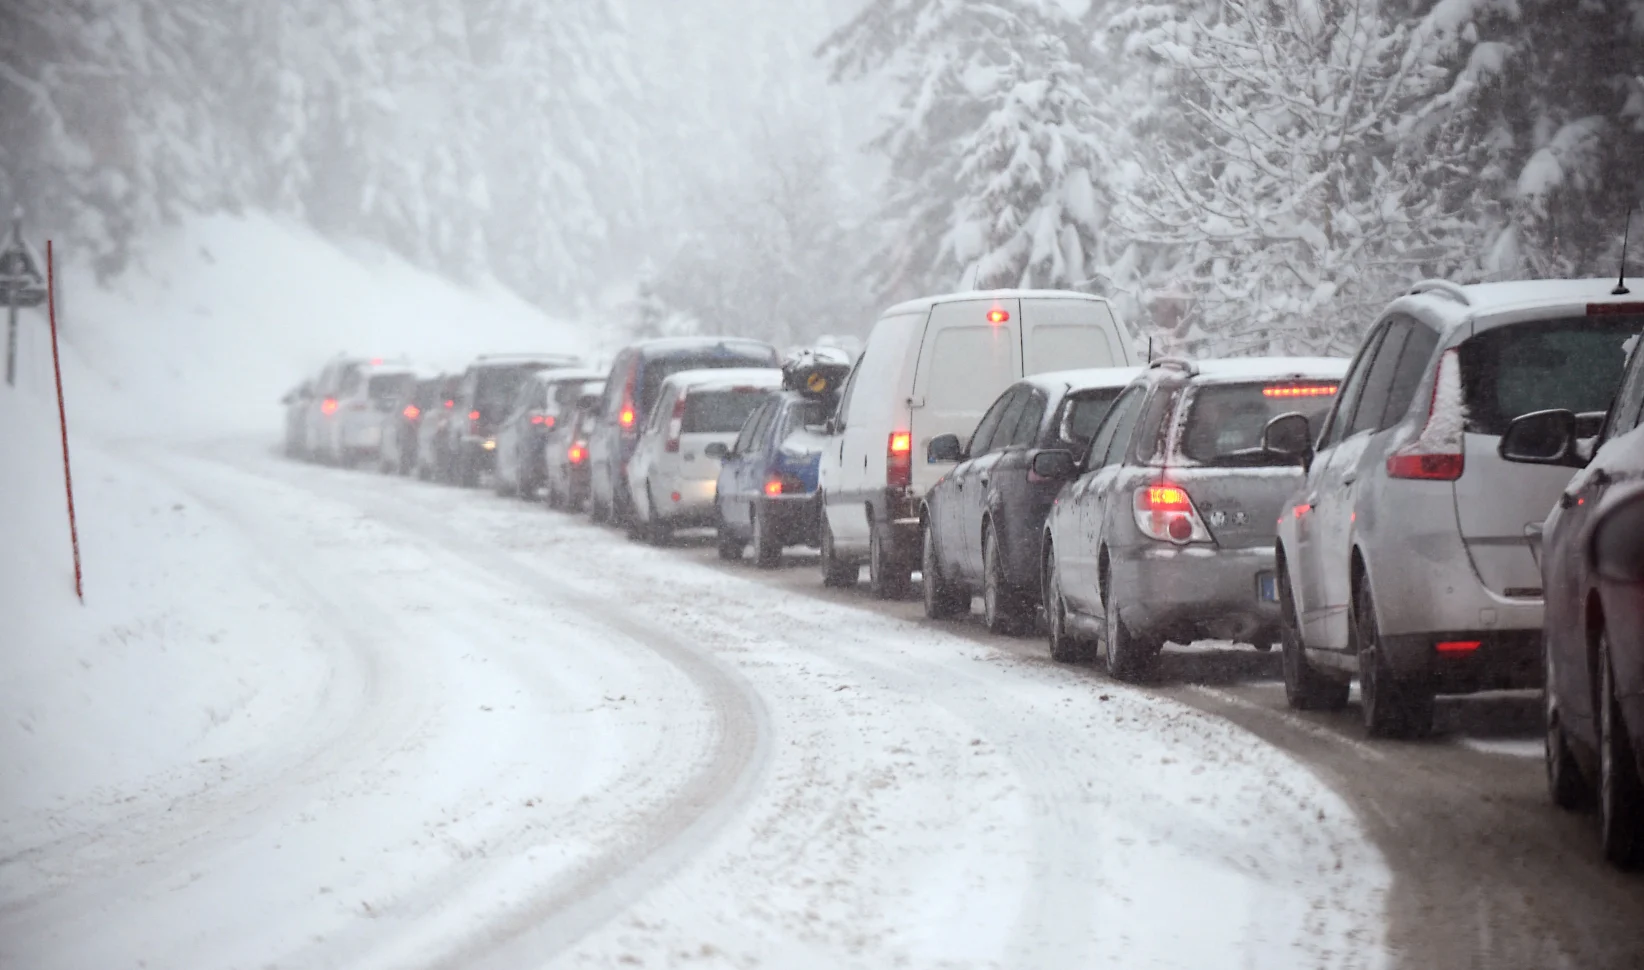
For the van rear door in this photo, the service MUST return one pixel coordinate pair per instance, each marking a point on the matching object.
(1066, 333)
(972, 351)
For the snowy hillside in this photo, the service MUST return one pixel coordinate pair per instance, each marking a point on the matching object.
(226, 314)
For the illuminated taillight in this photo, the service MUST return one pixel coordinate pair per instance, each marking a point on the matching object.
(676, 424)
(577, 453)
(627, 415)
(450, 403)
(1166, 512)
(1457, 646)
(1437, 453)
(542, 420)
(412, 412)
(773, 487)
(626, 418)
(899, 459)
(997, 316)
(1299, 390)
(473, 415)
(328, 406)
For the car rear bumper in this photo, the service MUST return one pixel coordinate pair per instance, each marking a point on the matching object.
(685, 502)
(1504, 660)
(796, 518)
(1195, 592)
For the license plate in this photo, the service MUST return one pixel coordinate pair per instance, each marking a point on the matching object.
(1267, 587)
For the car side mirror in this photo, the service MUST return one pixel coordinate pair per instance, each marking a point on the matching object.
(944, 448)
(1291, 436)
(1615, 548)
(1054, 464)
(1542, 438)
(717, 449)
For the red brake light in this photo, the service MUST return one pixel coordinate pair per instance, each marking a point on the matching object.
(376, 362)
(1436, 455)
(473, 415)
(773, 487)
(1457, 646)
(1299, 390)
(411, 412)
(328, 406)
(626, 418)
(997, 316)
(1166, 511)
(1614, 309)
(578, 452)
(899, 459)
(676, 425)
(450, 404)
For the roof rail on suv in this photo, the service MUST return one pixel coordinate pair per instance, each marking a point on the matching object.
(1174, 363)
(1454, 291)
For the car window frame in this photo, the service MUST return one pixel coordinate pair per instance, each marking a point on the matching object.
(748, 434)
(1026, 434)
(1380, 378)
(1347, 393)
(1118, 448)
(1632, 382)
(1106, 430)
(1409, 373)
(995, 413)
(842, 412)
(1008, 418)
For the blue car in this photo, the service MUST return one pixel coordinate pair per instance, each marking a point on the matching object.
(767, 479)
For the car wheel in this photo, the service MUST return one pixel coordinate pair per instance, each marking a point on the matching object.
(1304, 687)
(551, 494)
(1394, 707)
(1066, 646)
(1620, 791)
(766, 543)
(726, 541)
(1003, 608)
(1129, 657)
(1566, 786)
(836, 572)
(887, 578)
(943, 600)
(504, 486)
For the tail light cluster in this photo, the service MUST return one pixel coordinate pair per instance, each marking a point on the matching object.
(1166, 512)
(778, 485)
(328, 406)
(412, 412)
(1437, 453)
(541, 420)
(899, 459)
(577, 453)
(676, 425)
(473, 420)
(627, 416)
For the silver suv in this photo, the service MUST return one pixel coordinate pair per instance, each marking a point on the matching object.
(1406, 557)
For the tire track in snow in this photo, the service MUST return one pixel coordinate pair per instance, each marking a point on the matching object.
(560, 913)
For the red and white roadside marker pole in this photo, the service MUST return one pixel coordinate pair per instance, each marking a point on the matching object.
(62, 419)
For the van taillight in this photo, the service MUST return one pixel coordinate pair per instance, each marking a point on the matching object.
(675, 425)
(328, 406)
(1437, 453)
(627, 415)
(899, 460)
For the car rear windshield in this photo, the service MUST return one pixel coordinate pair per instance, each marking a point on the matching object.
(426, 394)
(806, 412)
(1224, 422)
(1573, 363)
(388, 388)
(658, 369)
(1084, 411)
(497, 386)
(719, 412)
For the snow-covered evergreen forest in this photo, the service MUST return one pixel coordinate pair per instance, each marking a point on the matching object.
(1240, 175)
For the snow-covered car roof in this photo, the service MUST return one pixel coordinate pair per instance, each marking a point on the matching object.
(1453, 303)
(668, 345)
(1226, 369)
(926, 302)
(726, 378)
(1084, 378)
(566, 375)
(514, 360)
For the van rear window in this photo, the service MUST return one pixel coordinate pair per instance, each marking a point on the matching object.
(969, 368)
(719, 412)
(1225, 421)
(388, 388)
(1573, 363)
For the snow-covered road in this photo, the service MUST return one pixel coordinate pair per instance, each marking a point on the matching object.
(473, 733)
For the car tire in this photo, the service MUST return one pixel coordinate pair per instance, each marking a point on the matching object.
(1394, 707)
(1305, 689)
(1004, 608)
(728, 544)
(1566, 786)
(943, 600)
(887, 578)
(1066, 645)
(1128, 656)
(551, 496)
(504, 487)
(1620, 790)
(767, 545)
(837, 573)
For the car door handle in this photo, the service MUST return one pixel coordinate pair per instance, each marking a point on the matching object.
(1350, 478)
(984, 479)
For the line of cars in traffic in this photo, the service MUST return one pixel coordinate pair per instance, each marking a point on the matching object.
(1407, 517)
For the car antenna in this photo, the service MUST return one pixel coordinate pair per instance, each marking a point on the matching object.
(1150, 350)
(1621, 277)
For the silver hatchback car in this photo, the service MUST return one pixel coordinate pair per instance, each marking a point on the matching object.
(1167, 532)
(1406, 558)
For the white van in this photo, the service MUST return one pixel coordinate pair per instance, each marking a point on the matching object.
(931, 367)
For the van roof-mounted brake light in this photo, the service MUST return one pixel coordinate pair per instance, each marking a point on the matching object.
(998, 315)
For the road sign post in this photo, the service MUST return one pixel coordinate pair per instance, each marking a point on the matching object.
(21, 285)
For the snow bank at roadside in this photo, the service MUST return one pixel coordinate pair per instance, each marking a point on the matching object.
(225, 313)
(187, 649)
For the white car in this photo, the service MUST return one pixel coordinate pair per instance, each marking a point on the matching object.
(349, 420)
(932, 367)
(673, 474)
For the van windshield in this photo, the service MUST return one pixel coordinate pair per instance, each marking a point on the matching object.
(1225, 421)
(1573, 363)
